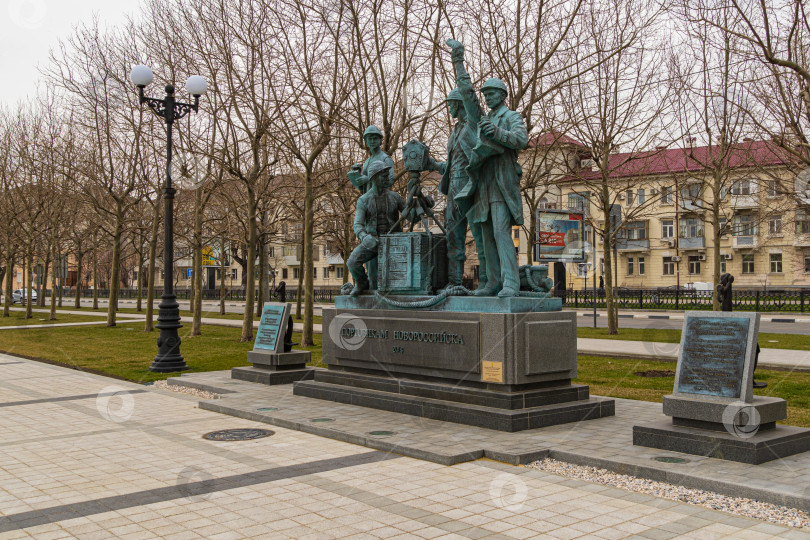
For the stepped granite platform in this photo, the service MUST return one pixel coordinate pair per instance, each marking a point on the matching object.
(606, 442)
(501, 363)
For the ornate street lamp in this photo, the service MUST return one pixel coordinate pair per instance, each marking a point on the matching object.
(168, 358)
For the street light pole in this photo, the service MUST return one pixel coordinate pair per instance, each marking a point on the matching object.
(168, 359)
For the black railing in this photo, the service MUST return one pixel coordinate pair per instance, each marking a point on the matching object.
(784, 300)
(772, 300)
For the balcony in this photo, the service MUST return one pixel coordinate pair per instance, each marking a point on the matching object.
(745, 242)
(624, 244)
(740, 202)
(802, 240)
(692, 242)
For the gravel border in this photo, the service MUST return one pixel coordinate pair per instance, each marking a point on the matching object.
(163, 385)
(751, 508)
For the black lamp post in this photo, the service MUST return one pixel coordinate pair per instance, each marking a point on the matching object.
(168, 358)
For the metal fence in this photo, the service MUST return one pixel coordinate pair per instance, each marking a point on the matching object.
(785, 300)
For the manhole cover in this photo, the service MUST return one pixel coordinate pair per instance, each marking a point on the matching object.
(239, 434)
(322, 420)
(381, 433)
(670, 459)
(267, 409)
(655, 373)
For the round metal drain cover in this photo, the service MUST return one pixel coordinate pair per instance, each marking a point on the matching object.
(670, 459)
(239, 434)
(382, 433)
(322, 420)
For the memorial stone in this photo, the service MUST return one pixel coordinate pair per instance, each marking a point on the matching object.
(713, 408)
(273, 361)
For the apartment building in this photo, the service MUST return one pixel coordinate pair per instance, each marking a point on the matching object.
(663, 211)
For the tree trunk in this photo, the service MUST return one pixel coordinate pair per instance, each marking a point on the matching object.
(608, 232)
(95, 278)
(61, 275)
(196, 304)
(150, 276)
(307, 263)
(716, 247)
(193, 281)
(30, 262)
(9, 282)
(298, 295)
(262, 298)
(115, 276)
(44, 281)
(77, 302)
(250, 264)
(55, 257)
(222, 276)
(139, 283)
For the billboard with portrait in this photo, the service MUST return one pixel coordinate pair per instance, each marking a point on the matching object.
(560, 236)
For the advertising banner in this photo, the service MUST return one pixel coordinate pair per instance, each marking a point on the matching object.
(559, 236)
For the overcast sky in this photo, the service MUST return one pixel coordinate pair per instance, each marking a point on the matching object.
(31, 27)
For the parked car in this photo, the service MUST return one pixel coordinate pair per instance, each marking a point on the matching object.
(21, 296)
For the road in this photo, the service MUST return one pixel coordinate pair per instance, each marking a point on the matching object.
(211, 309)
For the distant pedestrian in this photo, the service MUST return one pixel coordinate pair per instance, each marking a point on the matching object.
(601, 285)
(725, 296)
(281, 292)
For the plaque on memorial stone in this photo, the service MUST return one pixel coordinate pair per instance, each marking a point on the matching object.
(717, 355)
(272, 327)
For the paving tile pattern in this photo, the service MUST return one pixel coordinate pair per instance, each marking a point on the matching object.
(130, 464)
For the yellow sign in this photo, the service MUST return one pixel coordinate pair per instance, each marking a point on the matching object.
(209, 256)
(492, 371)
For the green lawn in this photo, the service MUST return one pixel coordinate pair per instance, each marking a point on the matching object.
(125, 351)
(17, 318)
(771, 341)
(616, 377)
(207, 314)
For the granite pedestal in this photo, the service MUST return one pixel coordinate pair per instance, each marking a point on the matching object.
(506, 370)
(275, 368)
(713, 409)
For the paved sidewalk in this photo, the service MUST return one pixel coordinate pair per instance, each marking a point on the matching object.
(88, 457)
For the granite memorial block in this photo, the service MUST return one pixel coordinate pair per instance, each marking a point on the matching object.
(713, 409)
(503, 371)
(273, 361)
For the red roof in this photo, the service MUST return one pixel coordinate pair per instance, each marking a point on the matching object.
(679, 160)
(549, 138)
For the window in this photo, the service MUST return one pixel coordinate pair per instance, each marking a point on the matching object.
(284, 273)
(636, 230)
(516, 233)
(742, 187)
(579, 201)
(807, 264)
(667, 228)
(694, 264)
(630, 197)
(722, 266)
(691, 228)
(775, 225)
(802, 222)
(748, 264)
(314, 272)
(744, 225)
(235, 273)
(774, 189)
(629, 266)
(295, 273)
(290, 250)
(669, 266)
(545, 204)
(642, 196)
(339, 272)
(691, 193)
(723, 222)
(325, 272)
(641, 266)
(271, 252)
(666, 195)
(776, 263)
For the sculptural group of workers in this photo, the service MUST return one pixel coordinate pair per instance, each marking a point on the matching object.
(480, 178)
